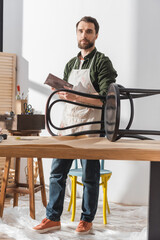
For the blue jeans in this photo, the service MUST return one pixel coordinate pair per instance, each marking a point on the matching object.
(90, 180)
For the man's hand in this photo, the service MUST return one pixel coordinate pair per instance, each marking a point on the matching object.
(53, 89)
(76, 98)
(66, 95)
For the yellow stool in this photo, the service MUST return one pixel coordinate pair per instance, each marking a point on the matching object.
(77, 172)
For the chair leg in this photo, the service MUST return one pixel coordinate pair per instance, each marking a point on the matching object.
(41, 177)
(31, 187)
(74, 198)
(107, 197)
(17, 173)
(4, 185)
(104, 199)
(70, 203)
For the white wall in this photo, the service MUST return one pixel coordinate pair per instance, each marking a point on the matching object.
(42, 34)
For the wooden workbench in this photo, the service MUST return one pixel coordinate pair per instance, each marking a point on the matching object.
(93, 148)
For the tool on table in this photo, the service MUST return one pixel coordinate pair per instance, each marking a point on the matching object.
(28, 108)
(18, 92)
(3, 137)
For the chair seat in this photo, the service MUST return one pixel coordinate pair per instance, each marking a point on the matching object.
(104, 171)
(78, 172)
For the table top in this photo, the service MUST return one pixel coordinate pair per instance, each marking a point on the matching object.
(80, 147)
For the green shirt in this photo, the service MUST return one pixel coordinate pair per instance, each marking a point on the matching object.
(102, 73)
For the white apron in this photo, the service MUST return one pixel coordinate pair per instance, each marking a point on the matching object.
(80, 78)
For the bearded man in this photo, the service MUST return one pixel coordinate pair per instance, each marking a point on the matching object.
(89, 72)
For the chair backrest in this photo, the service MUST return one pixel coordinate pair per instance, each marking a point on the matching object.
(102, 165)
(76, 164)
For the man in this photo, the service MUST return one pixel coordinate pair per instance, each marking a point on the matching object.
(89, 72)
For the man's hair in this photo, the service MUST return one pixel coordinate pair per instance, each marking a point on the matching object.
(91, 20)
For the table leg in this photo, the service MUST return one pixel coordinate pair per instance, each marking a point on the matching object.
(154, 202)
(41, 177)
(4, 185)
(31, 187)
(17, 173)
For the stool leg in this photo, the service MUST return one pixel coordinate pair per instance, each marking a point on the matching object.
(4, 185)
(41, 177)
(31, 187)
(17, 172)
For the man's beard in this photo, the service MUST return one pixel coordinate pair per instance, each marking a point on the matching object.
(85, 46)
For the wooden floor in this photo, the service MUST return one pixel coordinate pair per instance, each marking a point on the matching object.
(7, 204)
